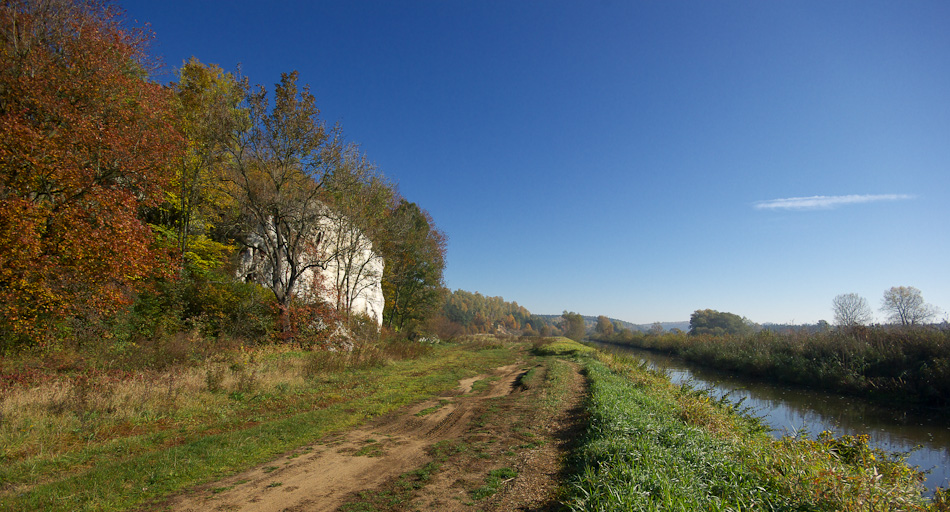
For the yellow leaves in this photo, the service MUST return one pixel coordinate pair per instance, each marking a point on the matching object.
(207, 254)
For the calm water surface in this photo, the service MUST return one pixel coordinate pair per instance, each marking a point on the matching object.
(792, 410)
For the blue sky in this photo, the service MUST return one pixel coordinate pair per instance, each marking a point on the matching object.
(639, 160)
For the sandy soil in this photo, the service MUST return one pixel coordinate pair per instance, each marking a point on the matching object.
(496, 426)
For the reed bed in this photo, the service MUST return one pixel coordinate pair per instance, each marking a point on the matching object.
(886, 363)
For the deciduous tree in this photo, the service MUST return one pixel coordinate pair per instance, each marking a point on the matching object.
(905, 305)
(574, 326)
(86, 141)
(280, 165)
(851, 309)
(604, 326)
(712, 322)
(412, 280)
(357, 223)
(209, 103)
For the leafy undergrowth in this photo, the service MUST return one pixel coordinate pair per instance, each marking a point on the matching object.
(94, 441)
(651, 445)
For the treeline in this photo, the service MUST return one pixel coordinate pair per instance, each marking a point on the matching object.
(126, 205)
(473, 313)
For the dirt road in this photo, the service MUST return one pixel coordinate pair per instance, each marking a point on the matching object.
(488, 445)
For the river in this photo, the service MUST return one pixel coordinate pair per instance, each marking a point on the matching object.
(790, 410)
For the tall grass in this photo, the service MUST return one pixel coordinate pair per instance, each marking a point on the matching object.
(881, 362)
(76, 427)
(654, 446)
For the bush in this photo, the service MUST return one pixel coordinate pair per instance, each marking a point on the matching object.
(210, 302)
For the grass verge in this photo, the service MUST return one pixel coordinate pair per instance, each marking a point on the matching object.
(651, 445)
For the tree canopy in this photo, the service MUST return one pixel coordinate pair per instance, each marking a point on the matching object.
(86, 141)
(905, 305)
(575, 327)
(412, 279)
(851, 309)
(715, 323)
(120, 196)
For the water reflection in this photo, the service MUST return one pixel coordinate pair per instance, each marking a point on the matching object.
(791, 410)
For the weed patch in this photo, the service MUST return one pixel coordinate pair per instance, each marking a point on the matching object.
(495, 479)
(430, 410)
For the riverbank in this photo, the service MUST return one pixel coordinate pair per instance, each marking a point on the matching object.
(655, 446)
(487, 424)
(884, 363)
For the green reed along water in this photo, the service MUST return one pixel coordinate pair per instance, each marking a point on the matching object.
(652, 445)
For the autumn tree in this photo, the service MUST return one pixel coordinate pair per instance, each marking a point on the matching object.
(280, 164)
(357, 223)
(209, 103)
(86, 141)
(851, 309)
(905, 305)
(412, 280)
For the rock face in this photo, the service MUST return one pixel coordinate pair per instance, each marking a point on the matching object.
(356, 283)
(345, 272)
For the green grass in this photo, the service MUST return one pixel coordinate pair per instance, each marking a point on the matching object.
(560, 347)
(372, 449)
(100, 467)
(493, 481)
(482, 385)
(654, 446)
(429, 410)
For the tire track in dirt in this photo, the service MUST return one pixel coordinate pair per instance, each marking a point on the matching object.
(514, 434)
(318, 477)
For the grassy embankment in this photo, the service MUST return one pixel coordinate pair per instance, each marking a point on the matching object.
(881, 363)
(109, 441)
(651, 445)
(94, 443)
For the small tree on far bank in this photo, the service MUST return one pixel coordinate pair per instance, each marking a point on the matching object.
(851, 309)
(574, 326)
(715, 323)
(604, 326)
(905, 305)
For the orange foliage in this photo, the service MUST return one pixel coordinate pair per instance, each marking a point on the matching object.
(85, 143)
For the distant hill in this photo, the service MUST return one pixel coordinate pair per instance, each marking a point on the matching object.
(591, 321)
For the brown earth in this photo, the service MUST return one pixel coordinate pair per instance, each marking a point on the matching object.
(488, 445)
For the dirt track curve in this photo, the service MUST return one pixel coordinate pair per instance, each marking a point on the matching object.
(322, 476)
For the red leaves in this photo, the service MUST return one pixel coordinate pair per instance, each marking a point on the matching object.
(85, 143)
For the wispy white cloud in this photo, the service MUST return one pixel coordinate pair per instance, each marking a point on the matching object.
(825, 202)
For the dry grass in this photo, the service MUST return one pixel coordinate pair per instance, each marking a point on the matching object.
(49, 420)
